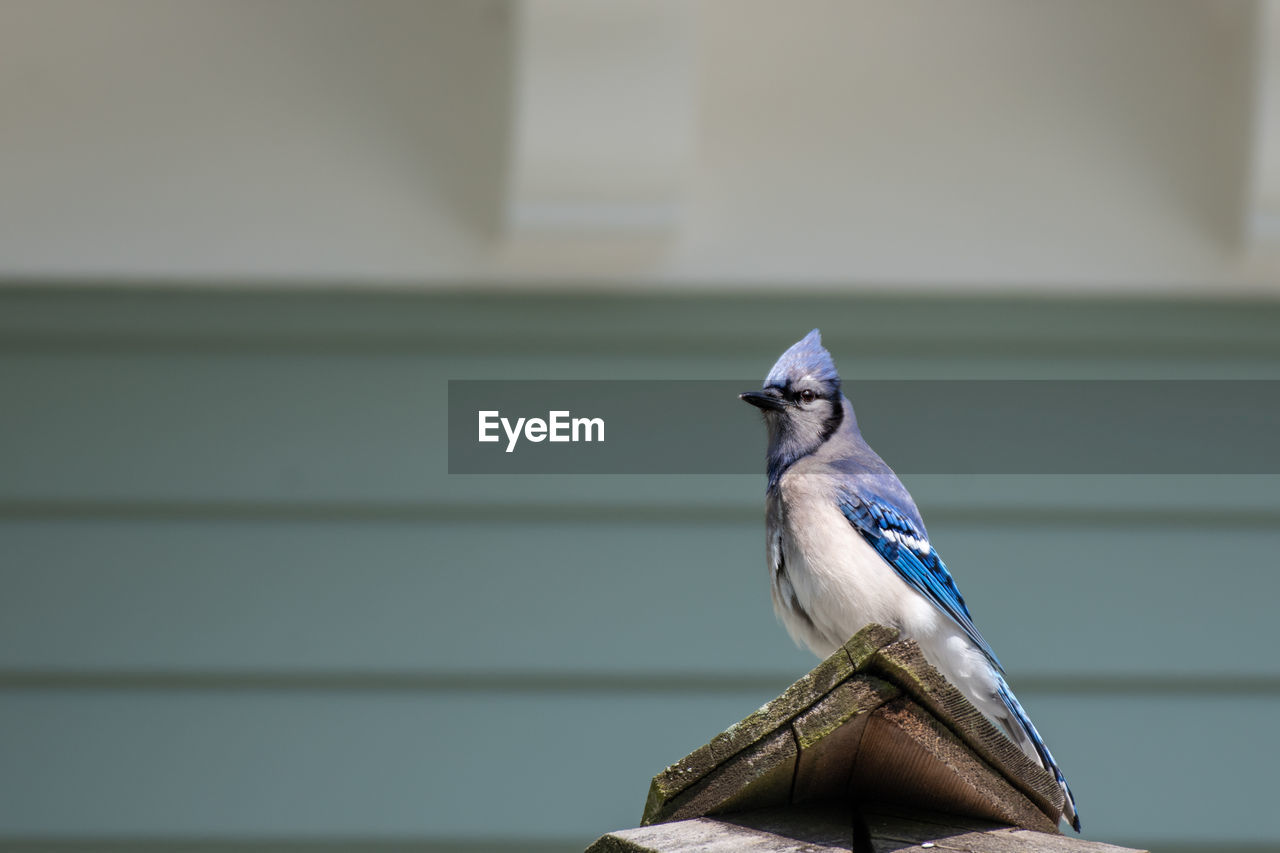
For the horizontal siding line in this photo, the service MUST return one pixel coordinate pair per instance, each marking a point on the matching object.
(986, 513)
(477, 343)
(275, 844)
(1190, 685)
(120, 304)
(398, 682)
(196, 844)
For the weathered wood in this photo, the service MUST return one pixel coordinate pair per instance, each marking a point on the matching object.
(904, 664)
(830, 732)
(863, 646)
(705, 835)
(929, 746)
(907, 756)
(812, 830)
(760, 775)
(796, 699)
(894, 830)
(817, 829)
(828, 828)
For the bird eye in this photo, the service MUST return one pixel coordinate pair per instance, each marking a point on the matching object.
(807, 396)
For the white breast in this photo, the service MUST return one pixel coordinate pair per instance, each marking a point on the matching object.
(838, 581)
(829, 583)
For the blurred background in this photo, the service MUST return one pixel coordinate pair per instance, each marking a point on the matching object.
(244, 246)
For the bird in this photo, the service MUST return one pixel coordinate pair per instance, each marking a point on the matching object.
(847, 547)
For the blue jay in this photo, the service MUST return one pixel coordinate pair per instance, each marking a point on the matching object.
(847, 547)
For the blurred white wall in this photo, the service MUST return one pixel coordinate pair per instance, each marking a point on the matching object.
(1008, 144)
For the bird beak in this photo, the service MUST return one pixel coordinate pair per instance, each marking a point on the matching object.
(770, 399)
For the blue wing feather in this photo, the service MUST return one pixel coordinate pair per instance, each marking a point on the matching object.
(1046, 758)
(884, 528)
(903, 545)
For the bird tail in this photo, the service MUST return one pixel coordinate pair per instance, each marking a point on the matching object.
(1028, 729)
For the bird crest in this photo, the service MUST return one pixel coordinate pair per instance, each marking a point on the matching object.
(805, 359)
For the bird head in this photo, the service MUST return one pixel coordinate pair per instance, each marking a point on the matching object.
(800, 399)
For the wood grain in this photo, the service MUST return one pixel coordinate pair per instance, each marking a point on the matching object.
(826, 828)
(905, 665)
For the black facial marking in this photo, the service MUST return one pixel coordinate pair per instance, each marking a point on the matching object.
(834, 420)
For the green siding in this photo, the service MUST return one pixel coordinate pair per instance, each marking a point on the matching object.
(641, 598)
(244, 601)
